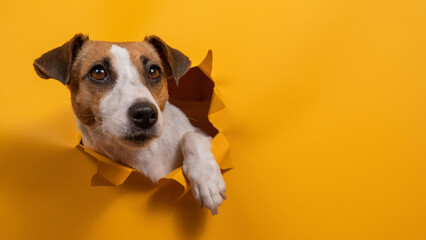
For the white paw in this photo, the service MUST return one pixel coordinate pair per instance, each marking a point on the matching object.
(207, 185)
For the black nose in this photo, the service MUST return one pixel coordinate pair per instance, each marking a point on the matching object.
(143, 115)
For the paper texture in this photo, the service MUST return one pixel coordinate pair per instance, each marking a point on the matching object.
(196, 97)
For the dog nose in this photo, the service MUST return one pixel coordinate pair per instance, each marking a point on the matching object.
(143, 115)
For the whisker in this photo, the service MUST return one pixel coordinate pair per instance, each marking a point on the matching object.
(193, 119)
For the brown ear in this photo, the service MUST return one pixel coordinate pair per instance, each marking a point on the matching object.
(176, 63)
(57, 63)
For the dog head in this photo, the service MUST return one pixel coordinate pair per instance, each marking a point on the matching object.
(117, 88)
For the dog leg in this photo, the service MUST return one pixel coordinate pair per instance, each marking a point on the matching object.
(200, 167)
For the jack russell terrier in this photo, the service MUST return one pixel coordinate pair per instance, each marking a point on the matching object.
(120, 98)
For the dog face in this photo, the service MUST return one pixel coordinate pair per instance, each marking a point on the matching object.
(117, 88)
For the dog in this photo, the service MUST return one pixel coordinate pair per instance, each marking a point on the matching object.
(120, 99)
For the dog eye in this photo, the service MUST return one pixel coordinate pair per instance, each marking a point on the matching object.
(154, 72)
(98, 73)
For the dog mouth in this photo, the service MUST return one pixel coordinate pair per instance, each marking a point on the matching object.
(138, 140)
(133, 137)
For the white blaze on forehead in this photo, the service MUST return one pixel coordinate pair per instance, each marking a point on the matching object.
(128, 89)
(123, 66)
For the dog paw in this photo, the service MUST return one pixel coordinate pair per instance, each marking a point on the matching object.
(208, 186)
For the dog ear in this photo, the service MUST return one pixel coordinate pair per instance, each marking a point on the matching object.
(176, 63)
(57, 63)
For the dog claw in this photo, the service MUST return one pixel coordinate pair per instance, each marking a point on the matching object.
(223, 195)
(214, 211)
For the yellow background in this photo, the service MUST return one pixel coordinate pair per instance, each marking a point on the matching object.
(327, 121)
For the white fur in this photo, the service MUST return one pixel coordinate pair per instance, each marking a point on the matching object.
(179, 143)
(127, 90)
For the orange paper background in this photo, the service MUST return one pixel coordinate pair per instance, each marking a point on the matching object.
(326, 105)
